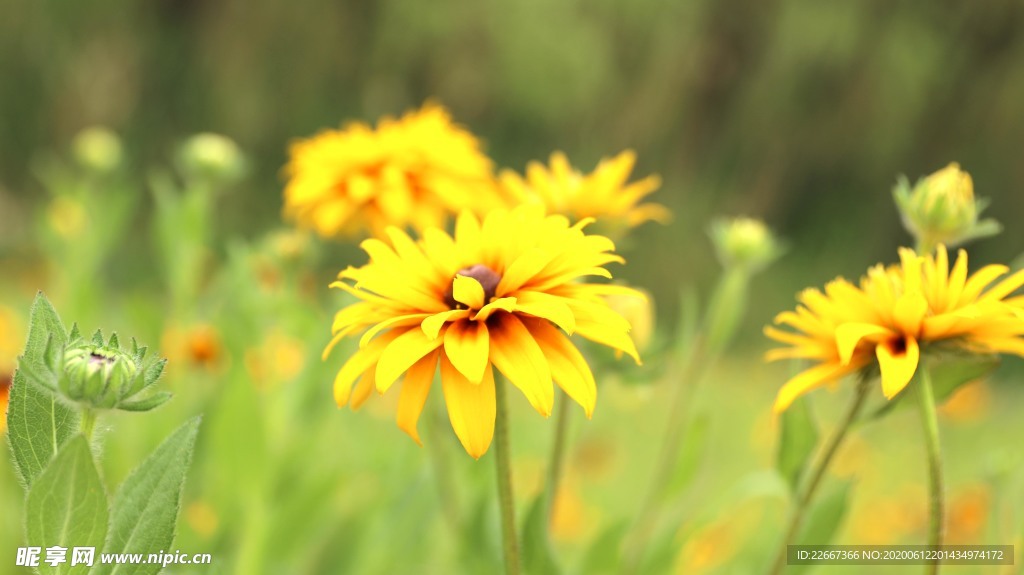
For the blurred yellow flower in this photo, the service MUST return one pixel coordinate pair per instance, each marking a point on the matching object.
(969, 402)
(277, 360)
(891, 314)
(197, 346)
(496, 295)
(604, 194)
(10, 346)
(67, 217)
(414, 171)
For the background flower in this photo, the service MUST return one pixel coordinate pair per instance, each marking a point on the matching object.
(892, 314)
(413, 171)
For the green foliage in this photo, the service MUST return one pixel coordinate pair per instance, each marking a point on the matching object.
(38, 424)
(797, 440)
(538, 558)
(67, 505)
(145, 509)
(824, 519)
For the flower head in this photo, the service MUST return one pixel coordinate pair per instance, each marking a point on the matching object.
(212, 157)
(892, 314)
(105, 376)
(5, 397)
(603, 194)
(97, 149)
(413, 171)
(502, 293)
(745, 243)
(942, 208)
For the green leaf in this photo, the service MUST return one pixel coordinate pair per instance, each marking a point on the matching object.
(604, 553)
(537, 556)
(38, 425)
(43, 322)
(797, 440)
(824, 519)
(145, 509)
(948, 375)
(146, 404)
(691, 452)
(67, 506)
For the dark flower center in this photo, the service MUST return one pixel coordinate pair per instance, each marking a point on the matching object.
(100, 359)
(487, 278)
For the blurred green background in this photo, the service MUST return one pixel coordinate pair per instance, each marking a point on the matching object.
(799, 112)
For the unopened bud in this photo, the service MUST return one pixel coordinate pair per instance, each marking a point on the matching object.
(213, 157)
(97, 149)
(744, 243)
(942, 209)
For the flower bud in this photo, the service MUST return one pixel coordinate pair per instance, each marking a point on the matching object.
(103, 376)
(639, 312)
(942, 209)
(744, 243)
(97, 149)
(212, 157)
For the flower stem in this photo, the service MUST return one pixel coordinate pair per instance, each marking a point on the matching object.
(445, 483)
(557, 461)
(88, 422)
(506, 500)
(803, 501)
(934, 453)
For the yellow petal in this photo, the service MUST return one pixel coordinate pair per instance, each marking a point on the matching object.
(523, 269)
(415, 388)
(502, 303)
(357, 365)
(467, 346)
(546, 306)
(809, 380)
(397, 321)
(1005, 287)
(468, 291)
(401, 354)
(897, 366)
(471, 408)
(432, 325)
(516, 354)
(909, 312)
(568, 366)
(363, 389)
(848, 335)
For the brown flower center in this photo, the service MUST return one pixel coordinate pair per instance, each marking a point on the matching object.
(487, 278)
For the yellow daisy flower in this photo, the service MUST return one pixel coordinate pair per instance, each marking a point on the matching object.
(603, 194)
(5, 397)
(503, 292)
(891, 314)
(413, 171)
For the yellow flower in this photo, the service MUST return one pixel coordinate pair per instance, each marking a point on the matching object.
(499, 293)
(603, 194)
(891, 314)
(414, 171)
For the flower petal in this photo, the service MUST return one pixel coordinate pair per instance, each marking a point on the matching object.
(516, 354)
(471, 408)
(432, 325)
(897, 366)
(467, 346)
(468, 291)
(848, 335)
(415, 388)
(401, 354)
(568, 366)
(357, 365)
(809, 380)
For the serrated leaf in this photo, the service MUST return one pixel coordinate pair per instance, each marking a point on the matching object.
(67, 506)
(38, 425)
(153, 372)
(603, 556)
(145, 509)
(146, 404)
(43, 322)
(797, 439)
(537, 556)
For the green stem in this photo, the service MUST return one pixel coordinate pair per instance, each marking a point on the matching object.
(506, 500)
(88, 422)
(557, 461)
(934, 454)
(803, 500)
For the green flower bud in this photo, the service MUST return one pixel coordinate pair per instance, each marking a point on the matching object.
(212, 157)
(942, 209)
(103, 376)
(744, 243)
(97, 149)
